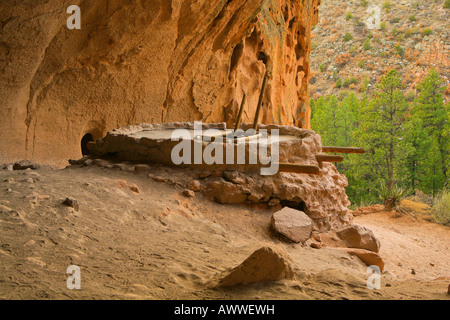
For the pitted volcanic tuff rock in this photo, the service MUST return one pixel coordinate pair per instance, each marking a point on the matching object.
(145, 61)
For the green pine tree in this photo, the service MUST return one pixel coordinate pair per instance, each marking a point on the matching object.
(381, 130)
(434, 113)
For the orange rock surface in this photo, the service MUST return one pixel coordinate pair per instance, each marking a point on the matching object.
(146, 62)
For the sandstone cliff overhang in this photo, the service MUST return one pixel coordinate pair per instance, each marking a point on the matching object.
(145, 61)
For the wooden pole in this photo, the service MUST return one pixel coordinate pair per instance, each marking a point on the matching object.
(261, 96)
(298, 168)
(241, 111)
(328, 158)
(342, 150)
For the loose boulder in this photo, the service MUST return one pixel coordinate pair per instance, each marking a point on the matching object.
(368, 257)
(265, 264)
(356, 236)
(72, 202)
(293, 224)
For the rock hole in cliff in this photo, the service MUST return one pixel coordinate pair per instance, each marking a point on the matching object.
(297, 205)
(262, 56)
(298, 51)
(84, 141)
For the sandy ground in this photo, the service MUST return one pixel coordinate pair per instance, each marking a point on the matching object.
(158, 244)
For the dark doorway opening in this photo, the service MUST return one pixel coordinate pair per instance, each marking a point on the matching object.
(298, 205)
(84, 142)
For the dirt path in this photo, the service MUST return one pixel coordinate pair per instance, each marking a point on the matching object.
(136, 238)
(412, 248)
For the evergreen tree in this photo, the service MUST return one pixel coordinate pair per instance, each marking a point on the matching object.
(381, 128)
(416, 147)
(431, 109)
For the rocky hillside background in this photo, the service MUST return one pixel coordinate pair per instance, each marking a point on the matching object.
(346, 55)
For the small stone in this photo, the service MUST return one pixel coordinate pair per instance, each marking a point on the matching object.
(194, 185)
(9, 167)
(316, 236)
(118, 166)
(71, 202)
(133, 188)
(413, 271)
(29, 180)
(316, 245)
(142, 168)
(159, 179)
(188, 193)
(24, 165)
(9, 180)
(203, 174)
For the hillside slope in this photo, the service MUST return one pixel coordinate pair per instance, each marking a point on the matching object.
(413, 37)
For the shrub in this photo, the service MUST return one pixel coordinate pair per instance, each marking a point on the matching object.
(349, 81)
(395, 20)
(361, 64)
(447, 4)
(387, 6)
(348, 36)
(365, 84)
(427, 32)
(441, 207)
(343, 58)
(365, 3)
(348, 16)
(366, 45)
(338, 83)
(408, 33)
(391, 196)
(412, 18)
(400, 51)
(322, 67)
(383, 26)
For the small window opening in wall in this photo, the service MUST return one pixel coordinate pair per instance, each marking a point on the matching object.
(84, 142)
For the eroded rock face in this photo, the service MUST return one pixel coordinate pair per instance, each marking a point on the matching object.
(145, 61)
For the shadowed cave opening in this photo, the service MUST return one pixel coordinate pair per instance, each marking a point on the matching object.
(297, 205)
(84, 141)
